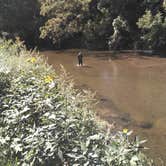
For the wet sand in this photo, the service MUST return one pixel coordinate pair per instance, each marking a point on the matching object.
(131, 90)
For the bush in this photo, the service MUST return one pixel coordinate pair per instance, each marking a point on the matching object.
(4, 82)
(46, 122)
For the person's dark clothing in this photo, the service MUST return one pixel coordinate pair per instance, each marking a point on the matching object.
(80, 58)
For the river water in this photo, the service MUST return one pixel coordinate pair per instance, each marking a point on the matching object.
(131, 90)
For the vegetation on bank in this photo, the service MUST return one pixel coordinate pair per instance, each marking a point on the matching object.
(92, 24)
(45, 121)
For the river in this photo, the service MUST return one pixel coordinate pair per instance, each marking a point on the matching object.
(131, 90)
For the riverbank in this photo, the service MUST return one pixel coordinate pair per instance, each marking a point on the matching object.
(45, 121)
(130, 88)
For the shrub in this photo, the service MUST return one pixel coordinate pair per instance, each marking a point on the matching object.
(46, 122)
(4, 82)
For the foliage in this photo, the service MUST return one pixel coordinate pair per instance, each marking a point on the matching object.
(63, 18)
(153, 26)
(164, 4)
(120, 27)
(20, 18)
(45, 121)
(93, 22)
(4, 82)
(84, 23)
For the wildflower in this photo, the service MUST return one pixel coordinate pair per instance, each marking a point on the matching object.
(48, 79)
(51, 85)
(125, 131)
(32, 60)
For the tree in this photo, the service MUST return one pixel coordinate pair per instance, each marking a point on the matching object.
(19, 18)
(64, 18)
(91, 18)
(120, 26)
(94, 22)
(152, 26)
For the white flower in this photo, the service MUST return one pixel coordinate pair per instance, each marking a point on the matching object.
(51, 85)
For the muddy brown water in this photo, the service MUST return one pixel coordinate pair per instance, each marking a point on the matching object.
(131, 90)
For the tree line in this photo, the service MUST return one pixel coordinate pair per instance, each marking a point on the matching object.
(92, 24)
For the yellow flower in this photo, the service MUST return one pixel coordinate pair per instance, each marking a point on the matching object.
(125, 131)
(32, 60)
(48, 79)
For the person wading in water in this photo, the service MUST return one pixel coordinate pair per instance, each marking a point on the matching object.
(80, 59)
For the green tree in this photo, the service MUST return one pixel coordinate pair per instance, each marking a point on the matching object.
(153, 28)
(93, 21)
(91, 18)
(120, 26)
(64, 18)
